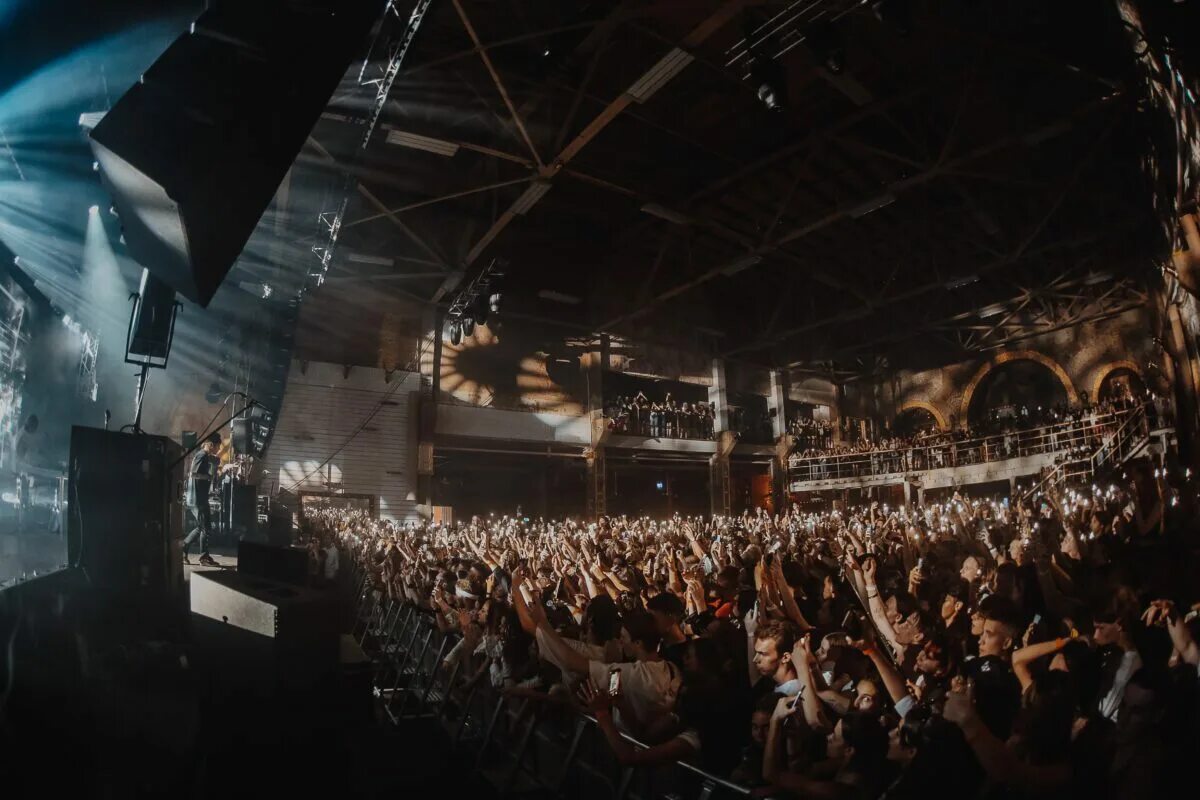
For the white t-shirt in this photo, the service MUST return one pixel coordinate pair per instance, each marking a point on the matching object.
(651, 687)
(1110, 704)
(331, 563)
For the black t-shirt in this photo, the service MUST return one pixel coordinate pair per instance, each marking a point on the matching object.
(997, 693)
(202, 470)
(674, 653)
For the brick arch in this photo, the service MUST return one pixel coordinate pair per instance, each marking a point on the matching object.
(1112, 367)
(1017, 355)
(938, 416)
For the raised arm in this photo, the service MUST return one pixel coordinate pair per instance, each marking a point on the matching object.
(788, 598)
(877, 610)
(1000, 763)
(1021, 659)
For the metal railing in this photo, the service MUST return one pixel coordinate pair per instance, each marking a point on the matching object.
(1066, 437)
(1114, 448)
(518, 742)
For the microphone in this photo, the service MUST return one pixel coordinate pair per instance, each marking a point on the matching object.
(107, 418)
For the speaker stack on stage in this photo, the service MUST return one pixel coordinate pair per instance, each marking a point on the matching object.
(125, 518)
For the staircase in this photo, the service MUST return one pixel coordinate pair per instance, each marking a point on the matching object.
(1131, 439)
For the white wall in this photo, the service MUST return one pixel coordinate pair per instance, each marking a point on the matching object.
(322, 410)
(521, 426)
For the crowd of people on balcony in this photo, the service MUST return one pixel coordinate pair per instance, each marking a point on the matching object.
(1002, 433)
(971, 648)
(666, 418)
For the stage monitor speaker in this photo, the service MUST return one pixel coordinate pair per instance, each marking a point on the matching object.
(283, 564)
(279, 526)
(193, 153)
(257, 636)
(153, 318)
(188, 438)
(125, 519)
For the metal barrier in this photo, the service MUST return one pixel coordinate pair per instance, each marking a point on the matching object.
(1062, 438)
(519, 742)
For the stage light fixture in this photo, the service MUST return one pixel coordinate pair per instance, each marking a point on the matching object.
(468, 326)
(456, 333)
(771, 84)
(494, 303)
(828, 45)
(480, 310)
(896, 13)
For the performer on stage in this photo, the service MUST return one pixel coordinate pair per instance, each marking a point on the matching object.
(200, 480)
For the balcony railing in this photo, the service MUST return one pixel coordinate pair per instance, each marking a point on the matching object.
(1085, 437)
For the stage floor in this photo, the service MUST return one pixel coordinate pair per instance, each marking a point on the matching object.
(225, 557)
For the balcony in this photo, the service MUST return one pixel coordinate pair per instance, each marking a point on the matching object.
(1087, 444)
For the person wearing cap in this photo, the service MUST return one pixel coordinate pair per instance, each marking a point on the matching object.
(200, 479)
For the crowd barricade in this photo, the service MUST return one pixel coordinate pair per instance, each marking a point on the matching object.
(518, 743)
(1083, 436)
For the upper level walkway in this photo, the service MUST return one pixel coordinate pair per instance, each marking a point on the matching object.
(1088, 443)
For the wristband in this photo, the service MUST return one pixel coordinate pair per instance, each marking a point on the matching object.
(868, 651)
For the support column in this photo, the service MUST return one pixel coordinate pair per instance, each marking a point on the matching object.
(597, 484)
(777, 402)
(427, 418)
(777, 406)
(718, 397)
(835, 413)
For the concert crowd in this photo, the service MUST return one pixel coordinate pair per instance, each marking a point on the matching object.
(972, 648)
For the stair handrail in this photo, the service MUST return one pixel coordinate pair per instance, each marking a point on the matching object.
(1113, 445)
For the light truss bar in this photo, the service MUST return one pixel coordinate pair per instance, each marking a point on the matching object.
(396, 50)
(657, 76)
(418, 142)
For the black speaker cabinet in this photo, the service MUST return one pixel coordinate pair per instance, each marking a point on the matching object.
(259, 637)
(283, 564)
(193, 153)
(124, 511)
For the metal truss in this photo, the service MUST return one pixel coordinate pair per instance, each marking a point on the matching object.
(395, 48)
(329, 225)
(1062, 304)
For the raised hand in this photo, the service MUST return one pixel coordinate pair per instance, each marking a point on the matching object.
(597, 701)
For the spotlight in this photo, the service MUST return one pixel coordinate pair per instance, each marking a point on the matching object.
(456, 333)
(494, 303)
(827, 43)
(897, 13)
(768, 76)
(468, 325)
(215, 393)
(480, 310)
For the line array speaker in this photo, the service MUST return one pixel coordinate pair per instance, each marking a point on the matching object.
(194, 152)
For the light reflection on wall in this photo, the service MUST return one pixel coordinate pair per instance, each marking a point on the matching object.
(501, 371)
(310, 475)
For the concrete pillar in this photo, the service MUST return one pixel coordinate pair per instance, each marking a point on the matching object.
(427, 494)
(777, 402)
(835, 413)
(597, 484)
(720, 492)
(592, 364)
(718, 397)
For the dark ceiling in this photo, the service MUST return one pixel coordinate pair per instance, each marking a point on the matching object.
(970, 176)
